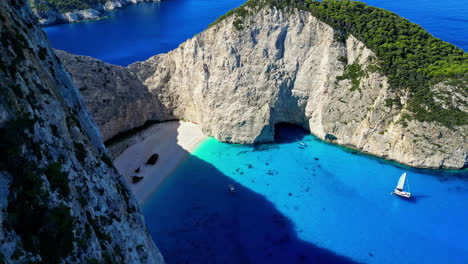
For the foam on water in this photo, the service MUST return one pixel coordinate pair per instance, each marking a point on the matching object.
(296, 203)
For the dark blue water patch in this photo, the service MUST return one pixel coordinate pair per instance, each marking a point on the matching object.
(194, 218)
(140, 31)
(289, 201)
(446, 20)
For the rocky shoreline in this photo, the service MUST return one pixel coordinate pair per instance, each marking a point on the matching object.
(52, 17)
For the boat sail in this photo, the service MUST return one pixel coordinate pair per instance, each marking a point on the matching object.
(400, 186)
(401, 182)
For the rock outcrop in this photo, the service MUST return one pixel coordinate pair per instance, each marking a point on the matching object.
(285, 65)
(94, 12)
(118, 100)
(61, 199)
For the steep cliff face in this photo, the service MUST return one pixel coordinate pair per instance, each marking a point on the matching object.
(287, 66)
(116, 98)
(58, 12)
(239, 78)
(61, 199)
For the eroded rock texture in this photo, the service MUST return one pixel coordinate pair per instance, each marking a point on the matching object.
(61, 199)
(287, 66)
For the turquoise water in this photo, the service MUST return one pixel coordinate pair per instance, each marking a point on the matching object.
(138, 32)
(296, 204)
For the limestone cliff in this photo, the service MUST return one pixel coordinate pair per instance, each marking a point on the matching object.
(50, 13)
(285, 65)
(61, 199)
(116, 98)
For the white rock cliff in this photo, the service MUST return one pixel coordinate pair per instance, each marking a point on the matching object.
(97, 11)
(283, 67)
(61, 199)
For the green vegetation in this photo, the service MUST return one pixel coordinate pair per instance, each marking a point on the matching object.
(18, 43)
(92, 261)
(57, 178)
(43, 229)
(80, 152)
(42, 53)
(393, 102)
(54, 129)
(63, 6)
(408, 55)
(107, 160)
(411, 58)
(18, 253)
(353, 72)
(250, 7)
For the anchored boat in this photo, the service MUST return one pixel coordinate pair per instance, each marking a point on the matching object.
(232, 189)
(400, 186)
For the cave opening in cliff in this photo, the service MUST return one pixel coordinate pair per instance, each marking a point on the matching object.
(288, 132)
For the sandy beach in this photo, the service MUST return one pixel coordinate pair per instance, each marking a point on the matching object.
(172, 141)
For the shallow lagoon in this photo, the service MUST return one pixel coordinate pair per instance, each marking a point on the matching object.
(296, 204)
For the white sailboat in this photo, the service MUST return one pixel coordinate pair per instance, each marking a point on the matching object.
(401, 184)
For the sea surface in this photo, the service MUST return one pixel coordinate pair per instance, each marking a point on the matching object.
(294, 203)
(138, 32)
(317, 203)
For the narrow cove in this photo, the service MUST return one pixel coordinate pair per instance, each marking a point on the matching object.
(300, 204)
(294, 203)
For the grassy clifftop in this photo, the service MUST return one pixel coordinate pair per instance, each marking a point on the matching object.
(63, 6)
(411, 58)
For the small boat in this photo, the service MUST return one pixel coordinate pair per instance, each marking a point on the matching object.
(400, 186)
(302, 143)
(231, 188)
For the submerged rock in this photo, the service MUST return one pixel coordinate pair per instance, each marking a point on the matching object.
(330, 137)
(136, 179)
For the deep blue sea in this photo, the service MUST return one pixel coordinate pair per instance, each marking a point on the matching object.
(138, 32)
(317, 203)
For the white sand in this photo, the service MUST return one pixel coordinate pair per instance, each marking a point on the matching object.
(173, 141)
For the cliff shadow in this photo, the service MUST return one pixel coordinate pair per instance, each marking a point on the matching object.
(288, 133)
(194, 218)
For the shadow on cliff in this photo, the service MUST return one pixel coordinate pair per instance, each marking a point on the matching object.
(288, 133)
(193, 218)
